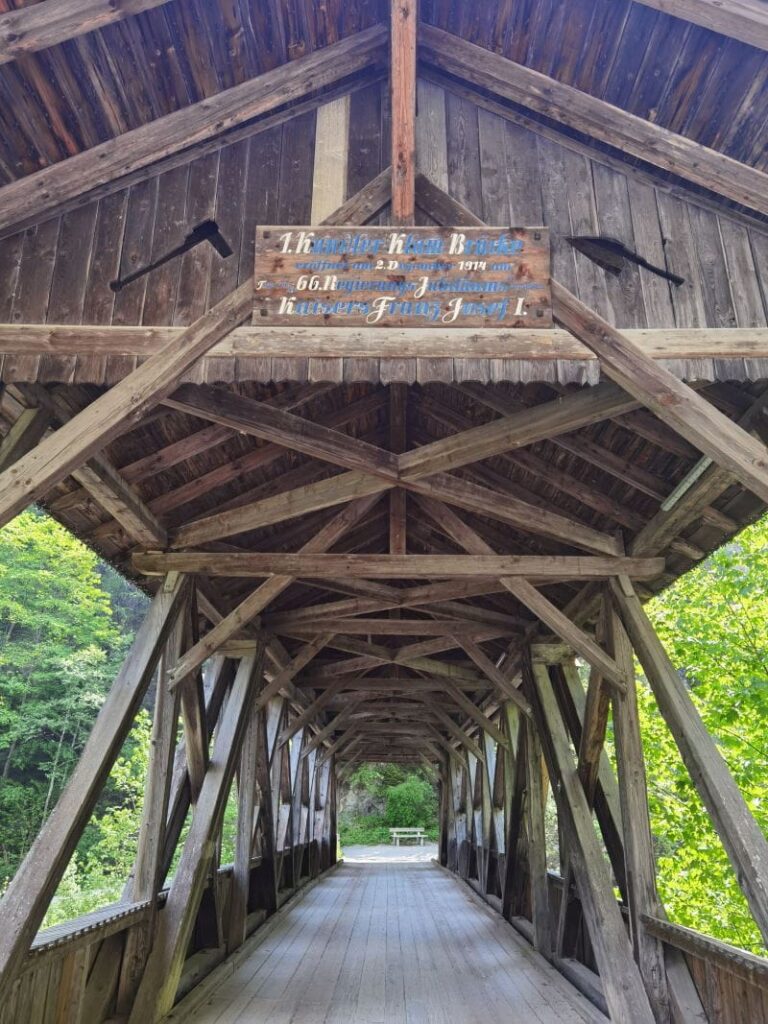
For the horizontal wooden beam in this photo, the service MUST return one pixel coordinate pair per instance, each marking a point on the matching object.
(66, 341)
(595, 118)
(40, 192)
(41, 25)
(110, 415)
(309, 566)
(745, 20)
(395, 627)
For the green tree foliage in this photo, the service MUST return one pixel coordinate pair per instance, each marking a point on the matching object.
(713, 623)
(60, 645)
(411, 804)
(380, 796)
(66, 620)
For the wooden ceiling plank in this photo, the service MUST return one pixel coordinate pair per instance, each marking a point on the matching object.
(675, 404)
(110, 414)
(745, 20)
(46, 24)
(38, 193)
(404, 24)
(595, 118)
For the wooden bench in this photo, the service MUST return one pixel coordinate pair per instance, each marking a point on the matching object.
(396, 834)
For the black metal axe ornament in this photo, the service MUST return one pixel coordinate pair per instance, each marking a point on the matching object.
(207, 231)
(612, 255)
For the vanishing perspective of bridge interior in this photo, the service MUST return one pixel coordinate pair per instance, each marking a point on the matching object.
(386, 541)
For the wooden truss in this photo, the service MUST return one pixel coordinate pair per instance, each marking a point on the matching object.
(282, 697)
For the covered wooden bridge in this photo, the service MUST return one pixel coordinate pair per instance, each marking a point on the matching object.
(386, 538)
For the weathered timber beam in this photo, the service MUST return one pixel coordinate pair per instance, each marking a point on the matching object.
(646, 174)
(283, 428)
(567, 630)
(24, 434)
(404, 23)
(37, 193)
(413, 597)
(398, 627)
(622, 983)
(740, 834)
(745, 20)
(248, 609)
(311, 713)
(97, 477)
(26, 899)
(110, 415)
(398, 443)
(667, 343)
(380, 685)
(365, 204)
(469, 708)
(39, 26)
(696, 501)
(595, 118)
(158, 986)
(307, 565)
(673, 402)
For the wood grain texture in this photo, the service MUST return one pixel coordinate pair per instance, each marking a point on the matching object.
(746, 20)
(595, 118)
(48, 24)
(37, 193)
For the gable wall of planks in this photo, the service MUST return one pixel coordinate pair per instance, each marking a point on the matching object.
(59, 271)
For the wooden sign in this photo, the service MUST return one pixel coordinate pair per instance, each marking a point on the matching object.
(402, 277)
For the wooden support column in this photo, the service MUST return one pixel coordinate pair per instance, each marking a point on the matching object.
(246, 802)
(404, 27)
(146, 878)
(537, 843)
(624, 990)
(642, 895)
(161, 978)
(27, 897)
(740, 834)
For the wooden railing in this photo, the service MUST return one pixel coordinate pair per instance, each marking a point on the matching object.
(72, 971)
(731, 983)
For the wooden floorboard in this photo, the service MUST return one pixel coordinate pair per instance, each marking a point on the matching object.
(393, 943)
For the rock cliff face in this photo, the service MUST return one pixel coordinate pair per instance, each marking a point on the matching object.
(357, 803)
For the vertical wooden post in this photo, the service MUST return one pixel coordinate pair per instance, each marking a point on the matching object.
(146, 877)
(537, 845)
(624, 990)
(404, 27)
(246, 802)
(642, 895)
(514, 782)
(161, 978)
(740, 834)
(29, 893)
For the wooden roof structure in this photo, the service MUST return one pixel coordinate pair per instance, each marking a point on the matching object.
(403, 536)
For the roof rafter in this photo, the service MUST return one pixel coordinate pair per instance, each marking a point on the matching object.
(39, 26)
(38, 193)
(595, 118)
(745, 20)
